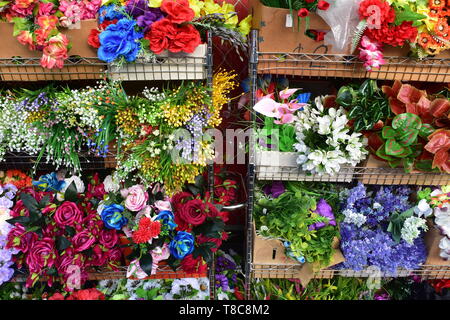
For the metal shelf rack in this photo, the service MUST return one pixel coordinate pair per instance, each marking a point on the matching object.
(333, 66)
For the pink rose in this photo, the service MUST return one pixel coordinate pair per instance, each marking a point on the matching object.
(83, 241)
(69, 258)
(19, 239)
(137, 198)
(163, 205)
(114, 258)
(108, 238)
(41, 255)
(68, 214)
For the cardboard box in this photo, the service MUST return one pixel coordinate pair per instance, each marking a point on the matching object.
(18, 63)
(275, 165)
(269, 261)
(288, 51)
(169, 66)
(435, 267)
(379, 172)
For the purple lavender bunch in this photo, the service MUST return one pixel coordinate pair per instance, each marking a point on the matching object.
(144, 15)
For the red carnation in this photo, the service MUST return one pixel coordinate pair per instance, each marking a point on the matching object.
(93, 40)
(178, 11)
(303, 12)
(323, 5)
(186, 39)
(387, 14)
(147, 230)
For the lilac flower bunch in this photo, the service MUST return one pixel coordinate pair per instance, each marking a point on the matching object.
(6, 264)
(365, 240)
(7, 194)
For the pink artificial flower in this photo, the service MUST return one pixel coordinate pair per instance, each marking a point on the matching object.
(41, 36)
(137, 198)
(134, 270)
(56, 52)
(267, 107)
(26, 38)
(72, 13)
(371, 54)
(286, 93)
(160, 254)
(89, 8)
(163, 205)
(45, 9)
(47, 22)
(23, 4)
(284, 115)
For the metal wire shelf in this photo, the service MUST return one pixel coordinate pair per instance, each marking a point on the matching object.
(349, 66)
(83, 68)
(292, 271)
(164, 272)
(23, 161)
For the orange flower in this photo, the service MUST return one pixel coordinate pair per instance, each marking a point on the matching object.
(425, 40)
(436, 4)
(47, 22)
(17, 178)
(441, 28)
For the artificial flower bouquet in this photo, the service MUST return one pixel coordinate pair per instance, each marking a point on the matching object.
(57, 124)
(301, 215)
(184, 229)
(381, 229)
(413, 134)
(143, 29)
(318, 132)
(229, 280)
(434, 204)
(40, 25)
(165, 136)
(56, 233)
(423, 25)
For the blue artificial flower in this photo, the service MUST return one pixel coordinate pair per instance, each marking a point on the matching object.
(167, 218)
(110, 12)
(182, 245)
(49, 182)
(120, 40)
(112, 217)
(303, 97)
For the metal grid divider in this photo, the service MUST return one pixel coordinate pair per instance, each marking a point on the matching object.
(251, 174)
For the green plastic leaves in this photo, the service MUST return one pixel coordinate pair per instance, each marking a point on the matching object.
(401, 145)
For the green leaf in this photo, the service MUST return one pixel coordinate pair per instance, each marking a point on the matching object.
(388, 133)
(406, 120)
(62, 243)
(22, 220)
(408, 136)
(203, 252)
(70, 231)
(393, 148)
(345, 96)
(20, 24)
(404, 13)
(426, 130)
(44, 202)
(29, 202)
(146, 263)
(71, 193)
(4, 3)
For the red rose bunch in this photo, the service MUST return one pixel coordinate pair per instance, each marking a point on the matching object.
(61, 239)
(85, 294)
(225, 191)
(172, 33)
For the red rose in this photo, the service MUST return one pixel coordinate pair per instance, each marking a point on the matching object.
(238, 294)
(108, 238)
(87, 294)
(191, 265)
(303, 12)
(93, 40)
(161, 33)
(98, 257)
(114, 257)
(83, 241)
(56, 296)
(41, 255)
(187, 39)
(211, 210)
(179, 199)
(193, 212)
(18, 238)
(67, 259)
(68, 214)
(106, 23)
(19, 210)
(181, 224)
(217, 241)
(323, 5)
(97, 191)
(178, 11)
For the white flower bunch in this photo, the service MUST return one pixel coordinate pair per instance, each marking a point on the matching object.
(16, 135)
(330, 126)
(357, 219)
(412, 227)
